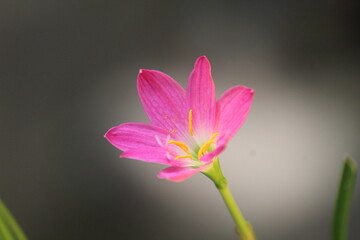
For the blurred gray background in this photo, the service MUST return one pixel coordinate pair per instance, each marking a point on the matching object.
(68, 73)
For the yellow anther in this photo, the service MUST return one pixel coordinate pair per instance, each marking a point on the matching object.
(206, 145)
(180, 145)
(185, 156)
(204, 148)
(190, 123)
(214, 136)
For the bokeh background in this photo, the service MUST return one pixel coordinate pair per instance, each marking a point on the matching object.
(68, 73)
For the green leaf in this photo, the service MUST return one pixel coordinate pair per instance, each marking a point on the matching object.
(9, 228)
(343, 202)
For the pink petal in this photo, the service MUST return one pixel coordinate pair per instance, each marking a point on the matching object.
(201, 97)
(179, 174)
(136, 136)
(149, 154)
(209, 157)
(232, 110)
(163, 100)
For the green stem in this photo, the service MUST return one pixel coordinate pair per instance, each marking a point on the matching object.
(243, 227)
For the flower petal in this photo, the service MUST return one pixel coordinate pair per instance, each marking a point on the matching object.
(232, 110)
(136, 136)
(211, 155)
(146, 142)
(149, 154)
(179, 174)
(163, 100)
(201, 98)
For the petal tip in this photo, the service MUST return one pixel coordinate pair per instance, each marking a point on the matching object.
(108, 134)
(244, 89)
(202, 60)
(251, 92)
(143, 71)
(142, 76)
(147, 75)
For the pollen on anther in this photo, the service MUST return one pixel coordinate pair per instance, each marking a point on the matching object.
(185, 156)
(181, 145)
(190, 123)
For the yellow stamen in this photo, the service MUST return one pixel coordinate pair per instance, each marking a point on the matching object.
(180, 145)
(214, 136)
(185, 156)
(190, 123)
(206, 146)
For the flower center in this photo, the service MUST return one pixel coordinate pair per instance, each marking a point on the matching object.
(184, 147)
(205, 147)
(201, 151)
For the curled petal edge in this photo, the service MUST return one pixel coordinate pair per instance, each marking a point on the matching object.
(179, 174)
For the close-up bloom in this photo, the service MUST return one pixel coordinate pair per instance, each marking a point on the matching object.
(188, 129)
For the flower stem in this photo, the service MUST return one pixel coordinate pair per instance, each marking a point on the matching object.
(243, 227)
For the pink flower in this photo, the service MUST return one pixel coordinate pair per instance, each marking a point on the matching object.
(189, 128)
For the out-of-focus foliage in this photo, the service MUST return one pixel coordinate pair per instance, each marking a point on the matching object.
(343, 202)
(9, 228)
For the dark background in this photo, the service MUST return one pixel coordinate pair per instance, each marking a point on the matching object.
(68, 73)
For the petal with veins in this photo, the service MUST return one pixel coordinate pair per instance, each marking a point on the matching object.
(201, 98)
(149, 154)
(136, 135)
(163, 100)
(232, 110)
